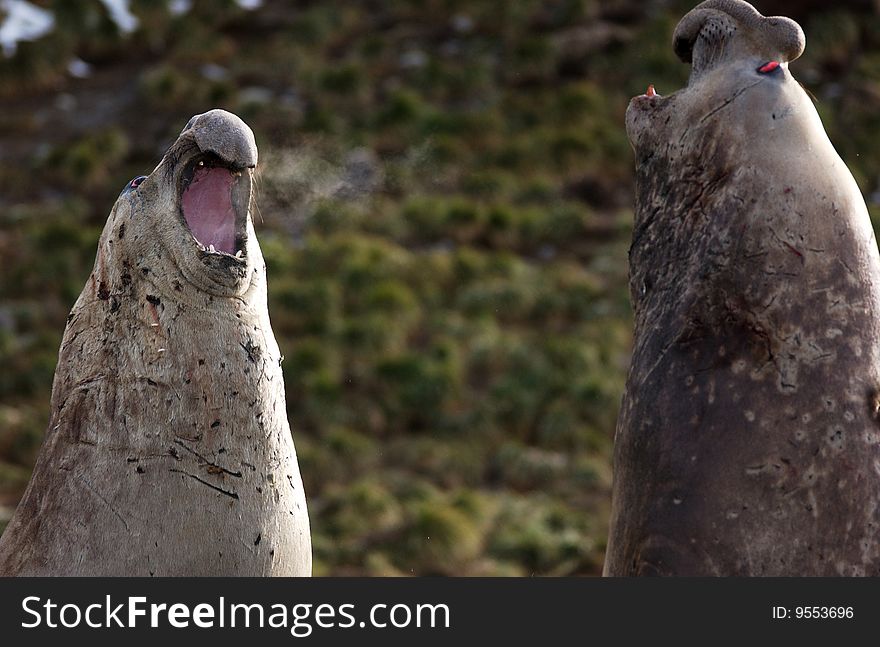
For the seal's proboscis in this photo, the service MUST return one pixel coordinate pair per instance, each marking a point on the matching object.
(168, 450)
(748, 441)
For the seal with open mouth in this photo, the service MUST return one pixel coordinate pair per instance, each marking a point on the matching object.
(748, 441)
(168, 450)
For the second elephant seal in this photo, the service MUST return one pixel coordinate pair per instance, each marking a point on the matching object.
(168, 450)
(748, 441)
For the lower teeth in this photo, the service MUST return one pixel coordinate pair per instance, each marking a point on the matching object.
(213, 250)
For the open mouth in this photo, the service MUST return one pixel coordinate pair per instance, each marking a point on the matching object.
(214, 202)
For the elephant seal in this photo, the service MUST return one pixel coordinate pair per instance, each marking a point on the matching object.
(748, 441)
(168, 450)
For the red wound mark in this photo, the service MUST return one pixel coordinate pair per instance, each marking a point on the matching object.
(768, 67)
(787, 189)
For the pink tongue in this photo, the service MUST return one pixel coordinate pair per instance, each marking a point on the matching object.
(207, 207)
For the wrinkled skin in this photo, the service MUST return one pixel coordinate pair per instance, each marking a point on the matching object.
(168, 450)
(748, 441)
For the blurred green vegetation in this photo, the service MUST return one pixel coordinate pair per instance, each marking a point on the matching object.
(444, 206)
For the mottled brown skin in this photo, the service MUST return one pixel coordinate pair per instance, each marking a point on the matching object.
(748, 441)
(168, 450)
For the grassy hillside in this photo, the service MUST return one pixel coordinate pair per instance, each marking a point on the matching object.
(444, 205)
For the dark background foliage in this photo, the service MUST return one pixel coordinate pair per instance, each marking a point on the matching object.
(445, 197)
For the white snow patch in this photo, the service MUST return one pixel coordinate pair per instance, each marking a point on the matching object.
(24, 21)
(179, 7)
(121, 15)
(79, 69)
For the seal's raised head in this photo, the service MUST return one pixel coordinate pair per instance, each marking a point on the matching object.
(195, 205)
(731, 48)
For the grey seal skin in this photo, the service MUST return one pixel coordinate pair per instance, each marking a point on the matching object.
(748, 441)
(168, 450)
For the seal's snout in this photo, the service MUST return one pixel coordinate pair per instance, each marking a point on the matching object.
(719, 31)
(225, 135)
